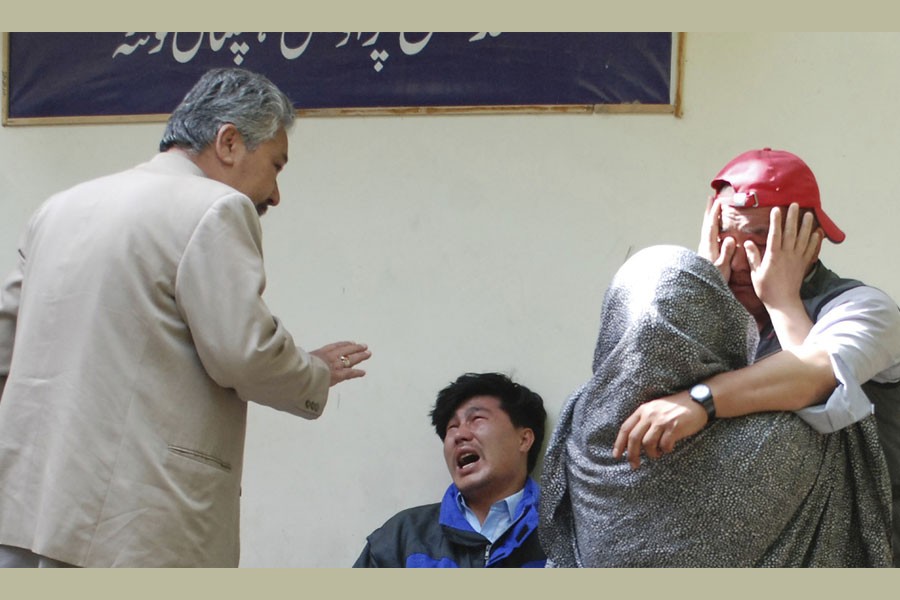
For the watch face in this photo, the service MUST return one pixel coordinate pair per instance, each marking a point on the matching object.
(702, 395)
(701, 391)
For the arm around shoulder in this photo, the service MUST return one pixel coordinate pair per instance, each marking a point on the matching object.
(787, 380)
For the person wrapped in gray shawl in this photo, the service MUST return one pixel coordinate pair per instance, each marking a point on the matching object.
(760, 490)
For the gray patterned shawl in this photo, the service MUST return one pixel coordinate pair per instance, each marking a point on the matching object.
(760, 490)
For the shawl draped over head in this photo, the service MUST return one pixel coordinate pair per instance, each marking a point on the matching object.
(759, 490)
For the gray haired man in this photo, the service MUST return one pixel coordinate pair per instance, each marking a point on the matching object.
(132, 334)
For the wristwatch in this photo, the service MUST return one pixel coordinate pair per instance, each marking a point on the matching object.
(702, 395)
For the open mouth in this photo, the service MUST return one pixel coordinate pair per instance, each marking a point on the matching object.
(466, 459)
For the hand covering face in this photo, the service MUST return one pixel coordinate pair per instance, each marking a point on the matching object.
(760, 490)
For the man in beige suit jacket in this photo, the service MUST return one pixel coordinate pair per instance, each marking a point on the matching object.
(132, 334)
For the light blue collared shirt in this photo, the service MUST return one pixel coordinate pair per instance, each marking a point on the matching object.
(499, 518)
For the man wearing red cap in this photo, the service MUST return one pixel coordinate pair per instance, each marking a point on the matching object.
(764, 229)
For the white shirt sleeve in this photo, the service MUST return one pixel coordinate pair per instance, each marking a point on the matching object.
(860, 329)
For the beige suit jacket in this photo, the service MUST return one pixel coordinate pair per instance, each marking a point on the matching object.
(132, 332)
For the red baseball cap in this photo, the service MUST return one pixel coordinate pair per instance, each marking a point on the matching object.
(775, 178)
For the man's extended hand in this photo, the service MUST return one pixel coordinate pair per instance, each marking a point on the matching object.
(341, 357)
(657, 425)
(710, 248)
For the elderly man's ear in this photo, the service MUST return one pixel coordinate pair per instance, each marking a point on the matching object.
(229, 144)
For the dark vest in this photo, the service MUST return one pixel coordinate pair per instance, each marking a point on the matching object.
(823, 287)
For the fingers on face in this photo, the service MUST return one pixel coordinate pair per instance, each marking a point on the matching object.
(714, 214)
(797, 228)
(807, 233)
(806, 226)
(754, 258)
(775, 229)
(799, 231)
(711, 214)
(818, 236)
(727, 250)
(709, 233)
(793, 232)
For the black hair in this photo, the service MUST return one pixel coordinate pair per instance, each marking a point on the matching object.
(524, 407)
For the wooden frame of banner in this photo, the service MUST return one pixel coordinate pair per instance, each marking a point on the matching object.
(674, 109)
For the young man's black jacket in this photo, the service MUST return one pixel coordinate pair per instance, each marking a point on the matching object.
(438, 535)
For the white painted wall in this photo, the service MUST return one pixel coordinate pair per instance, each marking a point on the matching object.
(474, 243)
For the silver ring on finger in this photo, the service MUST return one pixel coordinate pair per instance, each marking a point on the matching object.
(345, 361)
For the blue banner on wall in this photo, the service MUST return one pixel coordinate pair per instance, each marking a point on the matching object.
(113, 74)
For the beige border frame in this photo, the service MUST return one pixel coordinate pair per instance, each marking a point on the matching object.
(675, 108)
